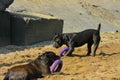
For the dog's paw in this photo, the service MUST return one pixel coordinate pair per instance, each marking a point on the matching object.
(88, 55)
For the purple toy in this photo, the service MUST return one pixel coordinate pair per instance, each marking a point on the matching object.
(63, 51)
(56, 66)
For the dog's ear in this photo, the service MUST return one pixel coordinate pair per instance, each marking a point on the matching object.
(50, 54)
(66, 38)
(58, 34)
(41, 56)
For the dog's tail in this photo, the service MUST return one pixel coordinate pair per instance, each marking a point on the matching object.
(99, 26)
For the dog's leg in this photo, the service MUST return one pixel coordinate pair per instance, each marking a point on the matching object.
(71, 49)
(95, 48)
(96, 39)
(89, 45)
(6, 76)
(69, 52)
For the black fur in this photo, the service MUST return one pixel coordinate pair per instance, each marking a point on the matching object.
(72, 40)
(36, 69)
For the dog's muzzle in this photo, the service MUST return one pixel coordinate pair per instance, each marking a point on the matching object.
(56, 45)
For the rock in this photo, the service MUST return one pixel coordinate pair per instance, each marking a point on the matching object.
(4, 28)
(28, 28)
(5, 4)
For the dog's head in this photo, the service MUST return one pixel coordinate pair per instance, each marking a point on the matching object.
(58, 41)
(48, 57)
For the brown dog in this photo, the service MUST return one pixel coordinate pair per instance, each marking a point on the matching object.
(36, 69)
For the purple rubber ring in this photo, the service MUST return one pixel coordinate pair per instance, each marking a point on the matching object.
(56, 66)
(63, 51)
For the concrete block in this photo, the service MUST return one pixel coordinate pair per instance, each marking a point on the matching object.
(29, 28)
(5, 4)
(4, 28)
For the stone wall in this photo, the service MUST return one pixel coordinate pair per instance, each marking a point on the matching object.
(5, 4)
(26, 28)
(4, 28)
(29, 28)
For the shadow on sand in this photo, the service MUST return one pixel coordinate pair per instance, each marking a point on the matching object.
(100, 54)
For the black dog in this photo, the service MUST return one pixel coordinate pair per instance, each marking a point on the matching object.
(72, 40)
(36, 69)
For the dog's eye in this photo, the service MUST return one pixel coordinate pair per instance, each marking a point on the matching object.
(56, 37)
(57, 40)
